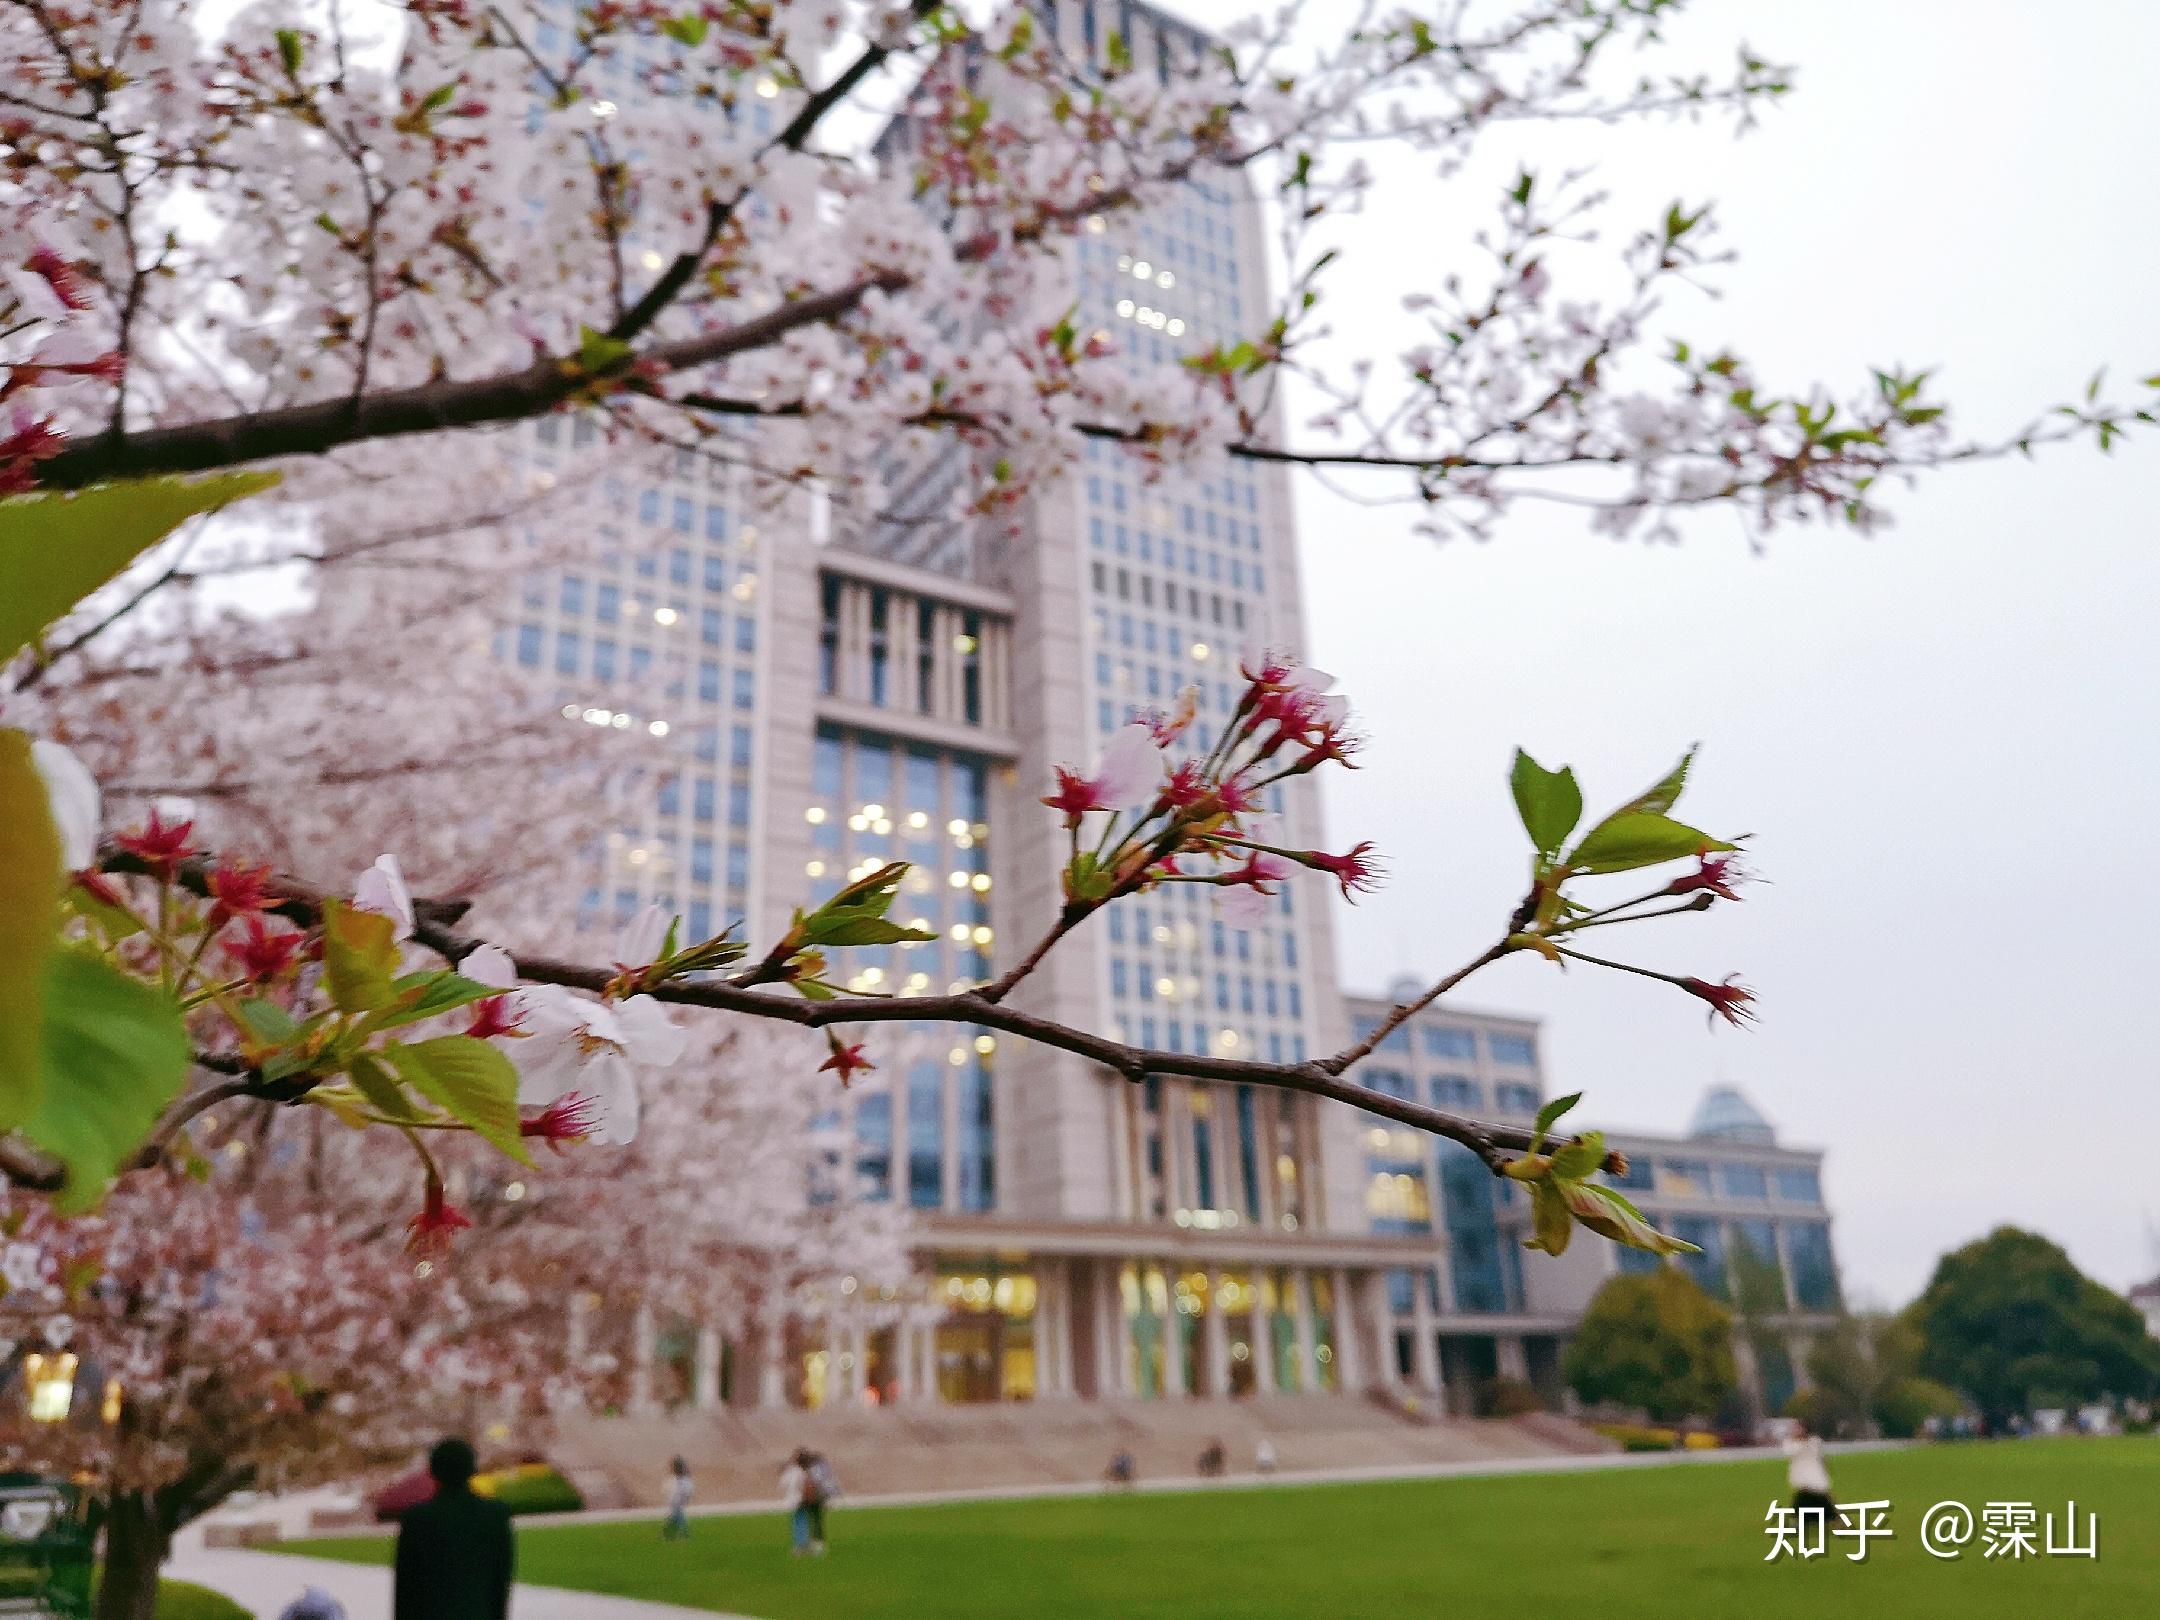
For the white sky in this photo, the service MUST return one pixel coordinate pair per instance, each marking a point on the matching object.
(1942, 737)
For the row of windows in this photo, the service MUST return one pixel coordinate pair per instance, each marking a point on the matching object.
(1451, 1041)
(602, 657)
(1698, 1178)
(925, 1150)
(1139, 977)
(1758, 1265)
(1196, 1037)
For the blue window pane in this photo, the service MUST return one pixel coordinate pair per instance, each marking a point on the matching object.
(1448, 1041)
(1515, 1049)
(1799, 1186)
(528, 645)
(1814, 1272)
(926, 1134)
(566, 652)
(1749, 1181)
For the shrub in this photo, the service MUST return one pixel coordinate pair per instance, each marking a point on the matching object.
(529, 1488)
(1508, 1397)
(1903, 1406)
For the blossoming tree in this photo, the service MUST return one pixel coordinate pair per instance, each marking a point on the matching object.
(335, 241)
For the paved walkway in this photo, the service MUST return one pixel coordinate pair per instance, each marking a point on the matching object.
(1559, 1463)
(263, 1583)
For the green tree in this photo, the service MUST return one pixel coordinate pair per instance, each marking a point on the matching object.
(2011, 1324)
(1657, 1342)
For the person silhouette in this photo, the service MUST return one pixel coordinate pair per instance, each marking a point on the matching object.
(455, 1552)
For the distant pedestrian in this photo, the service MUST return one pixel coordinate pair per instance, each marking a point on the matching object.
(313, 1604)
(1264, 1455)
(679, 1488)
(795, 1497)
(455, 1554)
(1122, 1469)
(1808, 1476)
(1212, 1460)
(824, 1486)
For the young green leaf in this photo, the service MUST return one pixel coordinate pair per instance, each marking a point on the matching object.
(1609, 1214)
(1580, 1157)
(1662, 794)
(30, 886)
(55, 549)
(372, 1078)
(415, 996)
(115, 1052)
(360, 957)
(267, 1023)
(1552, 1113)
(468, 1079)
(1549, 802)
(1550, 1218)
(1630, 839)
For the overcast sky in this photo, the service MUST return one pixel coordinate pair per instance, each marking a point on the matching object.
(1942, 737)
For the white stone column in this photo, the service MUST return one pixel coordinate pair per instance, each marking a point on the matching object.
(1173, 1327)
(858, 1370)
(1424, 1353)
(1797, 1346)
(1349, 1365)
(642, 1333)
(705, 1368)
(577, 1340)
(1263, 1337)
(1308, 1373)
(1509, 1359)
(926, 1359)
(1381, 1324)
(772, 1371)
(1215, 1340)
(1110, 1330)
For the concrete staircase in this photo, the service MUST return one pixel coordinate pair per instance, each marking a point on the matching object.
(737, 1456)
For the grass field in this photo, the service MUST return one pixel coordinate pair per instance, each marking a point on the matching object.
(1661, 1543)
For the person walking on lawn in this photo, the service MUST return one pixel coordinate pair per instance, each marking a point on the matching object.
(679, 1488)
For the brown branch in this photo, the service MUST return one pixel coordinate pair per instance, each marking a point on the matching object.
(799, 129)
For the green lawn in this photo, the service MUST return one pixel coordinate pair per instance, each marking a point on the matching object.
(1656, 1543)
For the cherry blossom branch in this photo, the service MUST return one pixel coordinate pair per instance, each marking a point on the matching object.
(435, 928)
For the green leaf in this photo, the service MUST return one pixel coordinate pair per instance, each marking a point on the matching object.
(1610, 1215)
(372, 1078)
(856, 915)
(468, 1079)
(1550, 1216)
(267, 1022)
(1663, 794)
(425, 995)
(869, 931)
(598, 353)
(1629, 839)
(115, 1053)
(1551, 1114)
(30, 885)
(55, 548)
(689, 29)
(290, 50)
(360, 957)
(1580, 1157)
(1549, 802)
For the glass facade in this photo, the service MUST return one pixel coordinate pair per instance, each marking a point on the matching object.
(877, 799)
(658, 640)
